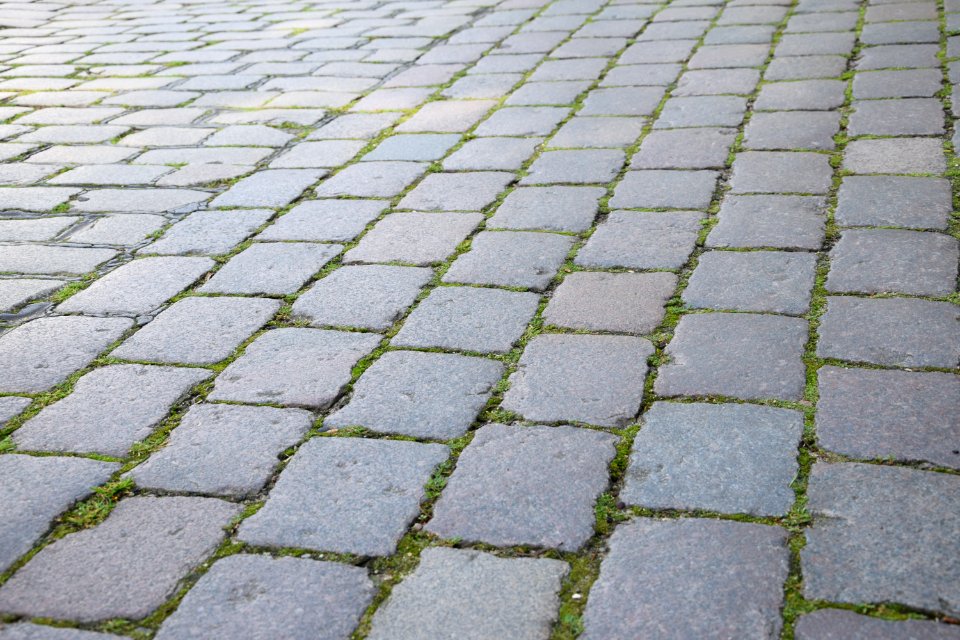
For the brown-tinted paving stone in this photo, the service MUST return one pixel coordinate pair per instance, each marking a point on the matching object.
(893, 261)
(665, 189)
(742, 355)
(583, 378)
(471, 595)
(296, 367)
(895, 331)
(779, 172)
(897, 201)
(372, 491)
(425, 395)
(282, 597)
(883, 534)
(469, 191)
(619, 302)
(414, 238)
(271, 268)
(730, 458)
(511, 259)
(773, 281)
(37, 489)
(468, 319)
(865, 413)
(44, 352)
(325, 220)
(138, 287)
(836, 624)
(141, 552)
(642, 240)
(223, 449)
(518, 485)
(732, 573)
(787, 222)
(556, 208)
(109, 409)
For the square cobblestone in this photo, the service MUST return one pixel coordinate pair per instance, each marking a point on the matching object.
(901, 117)
(702, 111)
(786, 222)
(897, 201)
(468, 191)
(492, 153)
(556, 208)
(792, 130)
(580, 166)
(642, 240)
(665, 190)
(372, 179)
(414, 238)
(779, 172)
(618, 302)
(511, 259)
(271, 267)
(522, 121)
(835, 624)
(801, 95)
(900, 155)
(325, 220)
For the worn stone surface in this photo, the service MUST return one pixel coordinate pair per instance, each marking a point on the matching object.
(373, 492)
(271, 267)
(557, 208)
(16, 292)
(11, 406)
(665, 189)
(837, 624)
(511, 259)
(324, 220)
(776, 221)
(618, 302)
(414, 238)
(209, 232)
(642, 240)
(895, 201)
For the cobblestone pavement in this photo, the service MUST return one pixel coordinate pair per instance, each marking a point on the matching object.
(479, 319)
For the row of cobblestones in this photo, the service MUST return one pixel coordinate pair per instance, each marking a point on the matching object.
(479, 319)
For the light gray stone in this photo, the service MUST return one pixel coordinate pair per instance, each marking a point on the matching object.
(270, 188)
(785, 222)
(11, 406)
(30, 631)
(138, 200)
(642, 240)
(372, 179)
(414, 238)
(556, 208)
(34, 229)
(836, 624)
(124, 230)
(209, 232)
(14, 293)
(618, 302)
(660, 189)
(467, 191)
(271, 268)
(511, 259)
(51, 260)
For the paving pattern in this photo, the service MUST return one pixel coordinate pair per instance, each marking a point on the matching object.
(479, 319)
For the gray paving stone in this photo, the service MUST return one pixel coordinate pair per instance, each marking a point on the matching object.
(598, 132)
(729, 458)
(731, 572)
(372, 179)
(787, 222)
(626, 75)
(138, 200)
(325, 154)
(51, 260)
(109, 409)
(324, 220)
(447, 116)
(701, 111)
(617, 302)
(717, 81)
(792, 130)
(42, 353)
(34, 229)
(125, 229)
(30, 631)
(16, 292)
(414, 238)
(468, 319)
(642, 240)
(906, 83)
(511, 259)
(363, 296)
(209, 232)
(141, 551)
(522, 121)
(801, 95)
(355, 125)
(580, 166)
(771, 281)
(863, 515)
(425, 395)
(198, 330)
(413, 147)
(222, 449)
(271, 267)
(866, 413)
(270, 188)
(11, 406)
(657, 52)
(555, 208)
(468, 191)
(901, 155)
(461, 593)
(700, 148)
(665, 189)
(518, 485)
(781, 172)
(836, 624)
(384, 478)
(491, 154)
(741, 355)
(897, 201)
(802, 67)
(900, 117)
(895, 332)
(622, 101)
(562, 92)
(288, 597)
(893, 261)
(295, 367)
(606, 389)
(35, 491)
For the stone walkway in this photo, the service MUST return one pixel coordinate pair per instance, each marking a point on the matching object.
(479, 319)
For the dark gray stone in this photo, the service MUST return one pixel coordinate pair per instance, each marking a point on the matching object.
(864, 515)
(271, 267)
(895, 201)
(296, 367)
(642, 240)
(518, 485)
(801, 95)
(470, 595)
(729, 458)
(894, 331)
(665, 190)
(900, 155)
(44, 352)
(836, 624)
(792, 130)
(579, 166)
(732, 573)
(552, 208)
(511, 259)
(325, 220)
(363, 296)
(772, 281)
(906, 83)
(425, 395)
(802, 67)
(701, 148)
(893, 261)
(583, 378)
(618, 302)
(223, 449)
(414, 238)
(783, 222)
(468, 319)
(141, 552)
(781, 172)
(109, 409)
(741, 355)
(900, 117)
(259, 597)
(372, 491)
(468, 191)
(34, 491)
(198, 330)
(865, 413)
